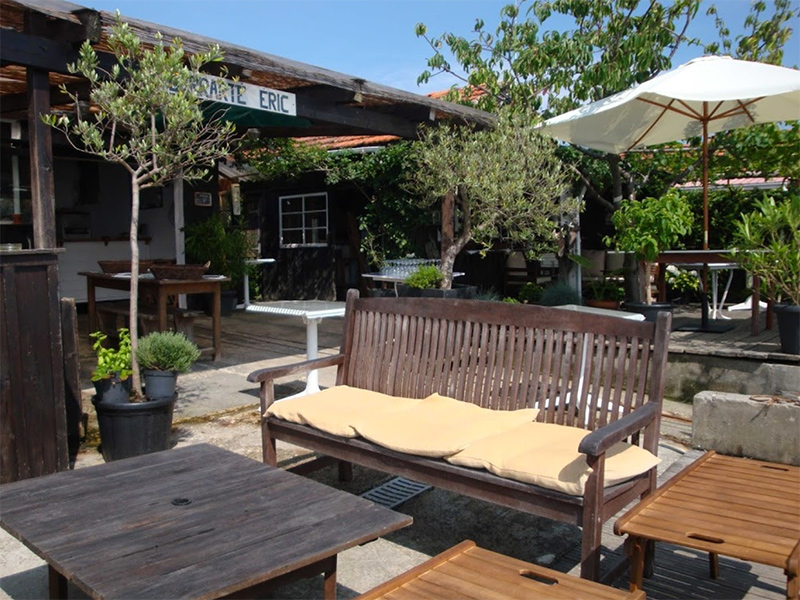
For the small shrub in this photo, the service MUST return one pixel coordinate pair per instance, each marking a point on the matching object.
(425, 277)
(112, 362)
(166, 351)
(510, 300)
(530, 293)
(559, 293)
(489, 295)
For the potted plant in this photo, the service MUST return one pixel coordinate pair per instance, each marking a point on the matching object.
(604, 293)
(112, 374)
(767, 243)
(162, 355)
(645, 228)
(130, 425)
(226, 245)
(426, 282)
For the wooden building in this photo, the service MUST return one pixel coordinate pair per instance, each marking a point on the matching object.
(72, 210)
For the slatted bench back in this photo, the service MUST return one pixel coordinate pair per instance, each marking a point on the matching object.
(578, 369)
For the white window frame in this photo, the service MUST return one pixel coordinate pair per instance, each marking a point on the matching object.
(305, 230)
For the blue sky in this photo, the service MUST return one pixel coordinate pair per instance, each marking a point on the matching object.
(371, 39)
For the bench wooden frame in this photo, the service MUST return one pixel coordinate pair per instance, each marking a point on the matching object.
(501, 356)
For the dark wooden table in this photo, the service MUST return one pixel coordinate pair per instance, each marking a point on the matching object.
(192, 522)
(161, 289)
(747, 509)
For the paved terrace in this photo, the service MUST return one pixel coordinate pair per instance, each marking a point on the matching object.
(217, 405)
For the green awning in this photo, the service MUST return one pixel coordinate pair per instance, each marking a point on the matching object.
(250, 117)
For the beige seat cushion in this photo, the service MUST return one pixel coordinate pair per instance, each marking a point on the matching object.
(439, 426)
(547, 455)
(337, 410)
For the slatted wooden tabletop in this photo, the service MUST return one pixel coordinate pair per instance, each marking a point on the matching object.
(467, 571)
(736, 507)
(193, 522)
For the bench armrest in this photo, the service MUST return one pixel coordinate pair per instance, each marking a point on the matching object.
(600, 440)
(272, 373)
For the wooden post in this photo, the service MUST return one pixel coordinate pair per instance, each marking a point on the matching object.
(41, 150)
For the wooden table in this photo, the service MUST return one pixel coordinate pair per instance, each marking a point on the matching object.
(747, 509)
(192, 522)
(161, 289)
(467, 571)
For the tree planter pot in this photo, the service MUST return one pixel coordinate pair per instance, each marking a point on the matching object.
(607, 304)
(134, 428)
(650, 311)
(114, 390)
(788, 316)
(463, 292)
(159, 384)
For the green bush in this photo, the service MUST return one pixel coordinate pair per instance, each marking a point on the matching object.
(559, 293)
(112, 362)
(166, 351)
(604, 289)
(530, 293)
(425, 277)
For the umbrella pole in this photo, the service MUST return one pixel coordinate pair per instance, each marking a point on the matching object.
(705, 193)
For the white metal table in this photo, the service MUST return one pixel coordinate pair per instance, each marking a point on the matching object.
(312, 312)
(252, 261)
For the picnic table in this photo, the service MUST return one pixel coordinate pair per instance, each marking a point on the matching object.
(192, 522)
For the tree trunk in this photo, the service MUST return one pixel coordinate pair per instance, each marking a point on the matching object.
(133, 325)
(637, 280)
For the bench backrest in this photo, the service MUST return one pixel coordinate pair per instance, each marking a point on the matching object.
(579, 369)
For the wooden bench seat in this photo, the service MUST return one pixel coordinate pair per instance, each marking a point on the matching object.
(113, 315)
(503, 357)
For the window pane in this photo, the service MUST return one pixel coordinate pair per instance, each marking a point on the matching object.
(316, 220)
(292, 221)
(291, 204)
(315, 202)
(317, 236)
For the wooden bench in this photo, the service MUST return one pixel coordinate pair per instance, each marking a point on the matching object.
(500, 356)
(113, 315)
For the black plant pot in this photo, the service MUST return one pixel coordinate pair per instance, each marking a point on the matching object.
(463, 292)
(650, 311)
(788, 316)
(228, 302)
(114, 390)
(134, 428)
(159, 384)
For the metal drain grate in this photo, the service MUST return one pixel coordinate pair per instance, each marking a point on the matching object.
(395, 491)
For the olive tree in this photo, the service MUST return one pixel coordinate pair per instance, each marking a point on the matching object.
(148, 117)
(507, 183)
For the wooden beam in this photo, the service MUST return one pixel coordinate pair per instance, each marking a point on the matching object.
(42, 53)
(364, 119)
(18, 102)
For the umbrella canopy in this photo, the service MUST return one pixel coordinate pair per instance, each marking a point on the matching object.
(703, 96)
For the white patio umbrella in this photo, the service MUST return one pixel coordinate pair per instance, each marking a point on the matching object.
(703, 96)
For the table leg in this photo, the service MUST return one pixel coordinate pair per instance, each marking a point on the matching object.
(713, 565)
(90, 305)
(57, 584)
(329, 591)
(725, 294)
(637, 563)
(246, 289)
(215, 321)
(792, 586)
(312, 347)
(162, 308)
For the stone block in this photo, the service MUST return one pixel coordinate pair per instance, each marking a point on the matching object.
(735, 425)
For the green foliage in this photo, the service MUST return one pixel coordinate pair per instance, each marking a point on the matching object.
(166, 351)
(768, 245)
(425, 277)
(112, 362)
(682, 280)
(650, 226)
(558, 294)
(225, 243)
(281, 158)
(507, 183)
(604, 289)
(577, 51)
(530, 293)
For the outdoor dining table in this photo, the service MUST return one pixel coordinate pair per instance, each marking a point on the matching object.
(192, 522)
(312, 312)
(161, 289)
